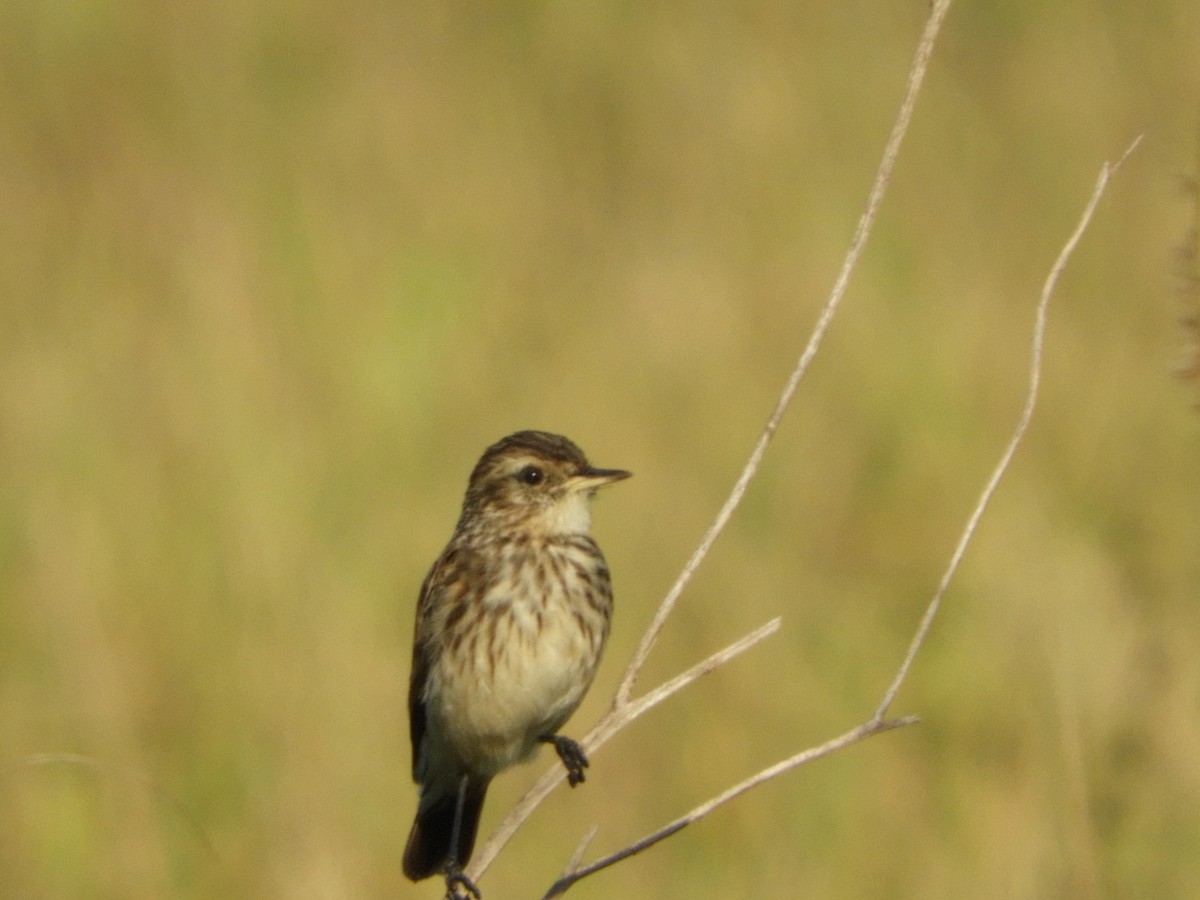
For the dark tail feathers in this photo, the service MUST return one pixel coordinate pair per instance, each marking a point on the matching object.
(428, 848)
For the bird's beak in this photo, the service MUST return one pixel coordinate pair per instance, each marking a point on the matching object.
(590, 479)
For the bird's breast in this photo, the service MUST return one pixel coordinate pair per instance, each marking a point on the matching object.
(526, 652)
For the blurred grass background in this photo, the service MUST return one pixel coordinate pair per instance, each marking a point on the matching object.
(273, 274)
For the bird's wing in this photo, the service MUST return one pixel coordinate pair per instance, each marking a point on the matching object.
(424, 653)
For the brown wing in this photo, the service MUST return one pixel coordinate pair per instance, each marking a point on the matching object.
(423, 653)
(420, 671)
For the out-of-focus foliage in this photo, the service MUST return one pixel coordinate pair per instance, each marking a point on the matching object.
(273, 274)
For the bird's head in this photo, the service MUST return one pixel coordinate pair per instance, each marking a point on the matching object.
(535, 480)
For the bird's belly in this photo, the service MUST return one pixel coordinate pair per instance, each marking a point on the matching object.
(498, 699)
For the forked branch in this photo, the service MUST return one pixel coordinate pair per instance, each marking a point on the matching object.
(879, 722)
(624, 709)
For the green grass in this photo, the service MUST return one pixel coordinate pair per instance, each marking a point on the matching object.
(272, 276)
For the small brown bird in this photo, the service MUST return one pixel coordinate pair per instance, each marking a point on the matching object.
(511, 622)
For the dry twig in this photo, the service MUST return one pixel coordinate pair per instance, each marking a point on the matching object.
(624, 709)
(879, 722)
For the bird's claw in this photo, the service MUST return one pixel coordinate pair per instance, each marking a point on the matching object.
(572, 757)
(456, 879)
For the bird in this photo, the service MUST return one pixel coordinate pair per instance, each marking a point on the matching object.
(511, 623)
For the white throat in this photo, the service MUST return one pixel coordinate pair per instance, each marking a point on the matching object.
(570, 515)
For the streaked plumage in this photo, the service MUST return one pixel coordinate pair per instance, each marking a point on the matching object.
(511, 624)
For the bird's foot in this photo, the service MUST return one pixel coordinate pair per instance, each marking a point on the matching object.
(458, 885)
(571, 754)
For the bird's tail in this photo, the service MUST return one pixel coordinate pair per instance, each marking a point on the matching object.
(428, 848)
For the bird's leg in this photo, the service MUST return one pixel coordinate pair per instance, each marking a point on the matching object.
(571, 754)
(455, 877)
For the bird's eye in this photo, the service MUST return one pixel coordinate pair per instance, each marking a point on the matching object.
(531, 475)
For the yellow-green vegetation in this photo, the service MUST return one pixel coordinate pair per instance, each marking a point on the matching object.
(272, 275)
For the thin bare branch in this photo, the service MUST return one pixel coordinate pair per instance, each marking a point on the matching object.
(1035, 379)
(624, 709)
(883, 176)
(616, 719)
(577, 857)
(878, 723)
(612, 722)
(861, 733)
